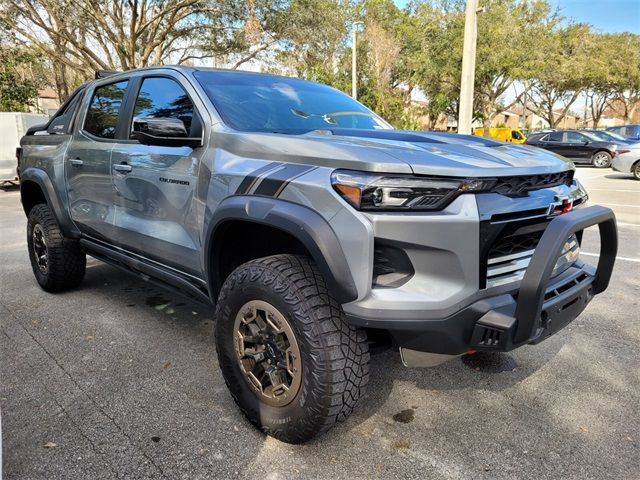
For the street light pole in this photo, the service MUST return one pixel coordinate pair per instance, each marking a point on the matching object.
(354, 75)
(465, 114)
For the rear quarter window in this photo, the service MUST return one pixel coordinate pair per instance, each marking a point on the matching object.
(62, 122)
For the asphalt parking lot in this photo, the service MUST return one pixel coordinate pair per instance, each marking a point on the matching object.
(118, 379)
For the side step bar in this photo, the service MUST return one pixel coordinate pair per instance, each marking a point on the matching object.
(149, 273)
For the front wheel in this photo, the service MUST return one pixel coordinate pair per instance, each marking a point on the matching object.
(636, 170)
(601, 160)
(292, 363)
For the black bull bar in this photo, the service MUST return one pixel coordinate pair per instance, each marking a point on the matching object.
(537, 315)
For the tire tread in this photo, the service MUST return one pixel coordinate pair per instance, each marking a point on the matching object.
(67, 259)
(340, 359)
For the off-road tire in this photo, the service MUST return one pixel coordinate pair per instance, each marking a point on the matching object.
(636, 170)
(601, 159)
(66, 260)
(335, 355)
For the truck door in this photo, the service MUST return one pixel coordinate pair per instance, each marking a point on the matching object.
(87, 161)
(154, 186)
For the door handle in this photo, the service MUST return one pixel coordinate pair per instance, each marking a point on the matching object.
(122, 167)
(76, 162)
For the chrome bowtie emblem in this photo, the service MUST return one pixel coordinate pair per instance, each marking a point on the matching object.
(563, 205)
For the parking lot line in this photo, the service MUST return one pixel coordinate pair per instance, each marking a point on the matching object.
(626, 259)
(613, 190)
(619, 205)
(589, 177)
(623, 224)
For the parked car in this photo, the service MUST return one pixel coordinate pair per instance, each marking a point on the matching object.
(607, 136)
(580, 147)
(628, 162)
(313, 227)
(627, 131)
(509, 135)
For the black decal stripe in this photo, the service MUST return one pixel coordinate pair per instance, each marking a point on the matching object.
(284, 185)
(273, 183)
(250, 180)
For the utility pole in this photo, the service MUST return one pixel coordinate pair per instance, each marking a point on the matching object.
(354, 74)
(524, 105)
(586, 100)
(465, 114)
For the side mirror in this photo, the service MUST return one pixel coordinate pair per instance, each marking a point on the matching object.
(164, 132)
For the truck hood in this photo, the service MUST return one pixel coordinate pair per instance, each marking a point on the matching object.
(397, 151)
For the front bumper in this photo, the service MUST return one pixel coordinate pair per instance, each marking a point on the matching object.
(539, 308)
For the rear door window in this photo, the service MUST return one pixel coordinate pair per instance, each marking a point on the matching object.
(555, 137)
(102, 116)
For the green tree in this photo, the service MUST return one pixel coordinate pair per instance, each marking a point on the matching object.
(564, 74)
(600, 79)
(311, 36)
(18, 83)
(512, 35)
(81, 36)
(623, 56)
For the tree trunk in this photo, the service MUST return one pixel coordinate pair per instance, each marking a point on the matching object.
(629, 111)
(62, 84)
(486, 126)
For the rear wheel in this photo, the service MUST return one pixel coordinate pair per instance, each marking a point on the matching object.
(636, 170)
(601, 159)
(58, 262)
(291, 362)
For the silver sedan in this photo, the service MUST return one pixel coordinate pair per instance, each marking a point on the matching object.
(629, 161)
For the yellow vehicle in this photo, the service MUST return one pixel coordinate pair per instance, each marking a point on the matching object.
(511, 135)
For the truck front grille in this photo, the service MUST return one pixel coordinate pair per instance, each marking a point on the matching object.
(514, 244)
(507, 268)
(520, 185)
(509, 263)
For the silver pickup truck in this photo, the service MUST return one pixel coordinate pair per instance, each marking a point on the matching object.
(315, 229)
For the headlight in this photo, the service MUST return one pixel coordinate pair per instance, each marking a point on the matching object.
(578, 196)
(568, 256)
(371, 191)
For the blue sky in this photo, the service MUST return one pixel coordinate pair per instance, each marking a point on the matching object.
(605, 15)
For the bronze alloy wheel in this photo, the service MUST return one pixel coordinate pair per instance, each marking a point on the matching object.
(268, 353)
(40, 249)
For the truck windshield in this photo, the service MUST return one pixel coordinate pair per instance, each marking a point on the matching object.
(262, 103)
